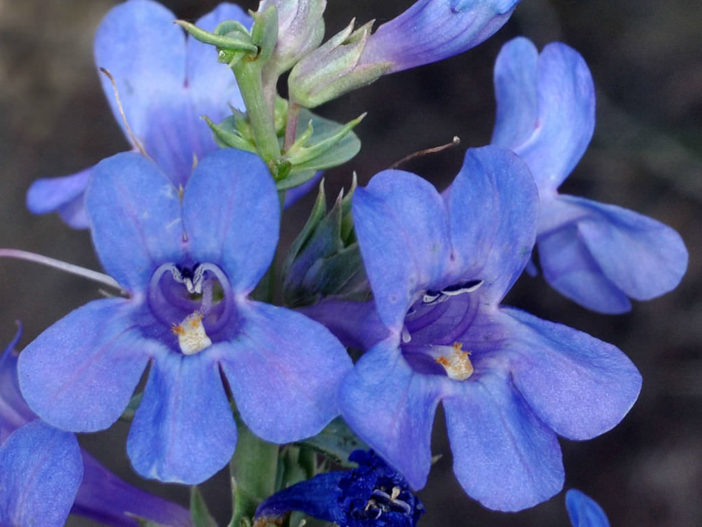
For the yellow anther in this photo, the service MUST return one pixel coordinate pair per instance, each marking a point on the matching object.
(457, 364)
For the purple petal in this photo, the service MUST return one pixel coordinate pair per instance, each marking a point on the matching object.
(516, 91)
(14, 412)
(583, 511)
(641, 256)
(503, 455)
(566, 109)
(107, 499)
(144, 51)
(231, 212)
(392, 409)
(63, 195)
(135, 216)
(80, 373)
(570, 269)
(493, 208)
(578, 385)
(355, 324)
(402, 228)
(284, 371)
(432, 30)
(40, 471)
(183, 430)
(599, 254)
(212, 85)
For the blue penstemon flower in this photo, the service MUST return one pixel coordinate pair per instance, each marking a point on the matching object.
(583, 511)
(188, 265)
(370, 495)
(44, 474)
(166, 82)
(595, 254)
(509, 382)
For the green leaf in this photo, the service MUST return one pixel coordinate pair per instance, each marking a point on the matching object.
(232, 41)
(199, 513)
(318, 211)
(330, 144)
(228, 136)
(336, 441)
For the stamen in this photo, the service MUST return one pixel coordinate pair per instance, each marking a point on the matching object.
(191, 334)
(62, 266)
(457, 364)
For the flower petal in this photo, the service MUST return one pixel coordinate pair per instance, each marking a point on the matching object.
(570, 269)
(14, 412)
(40, 471)
(63, 195)
(355, 324)
(516, 91)
(392, 408)
(432, 30)
(566, 109)
(212, 84)
(183, 430)
(144, 52)
(80, 373)
(493, 209)
(402, 228)
(284, 371)
(104, 497)
(583, 511)
(641, 256)
(135, 215)
(503, 455)
(578, 385)
(231, 212)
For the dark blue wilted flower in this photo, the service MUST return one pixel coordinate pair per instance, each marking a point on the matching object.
(595, 254)
(45, 475)
(188, 265)
(583, 511)
(439, 265)
(166, 82)
(371, 495)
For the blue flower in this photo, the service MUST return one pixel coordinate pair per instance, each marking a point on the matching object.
(371, 495)
(584, 511)
(44, 474)
(166, 82)
(188, 265)
(439, 266)
(432, 30)
(595, 254)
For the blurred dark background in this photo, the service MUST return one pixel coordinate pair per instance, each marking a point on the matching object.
(646, 59)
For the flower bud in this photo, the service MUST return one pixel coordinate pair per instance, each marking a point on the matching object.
(300, 30)
(334, 68)
(433, 30)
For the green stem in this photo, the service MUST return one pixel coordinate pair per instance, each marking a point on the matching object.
(248, 76)
(253, 471)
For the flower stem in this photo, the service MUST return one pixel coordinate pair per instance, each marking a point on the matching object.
(248, 76)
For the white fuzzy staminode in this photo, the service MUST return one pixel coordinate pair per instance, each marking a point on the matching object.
(192, 337)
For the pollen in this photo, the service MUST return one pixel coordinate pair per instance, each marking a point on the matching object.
(192, 337)
(457, 363)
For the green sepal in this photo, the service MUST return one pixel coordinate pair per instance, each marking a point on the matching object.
(323, 143)
(228, 135)
(336, 441)
(131, 408)
(295, 179)
(324, 259)
(199, 513)
(280, 114)
(142, 522)
(235, 40)
(264, 32)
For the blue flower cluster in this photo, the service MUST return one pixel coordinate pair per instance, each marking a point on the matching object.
(189, 230)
